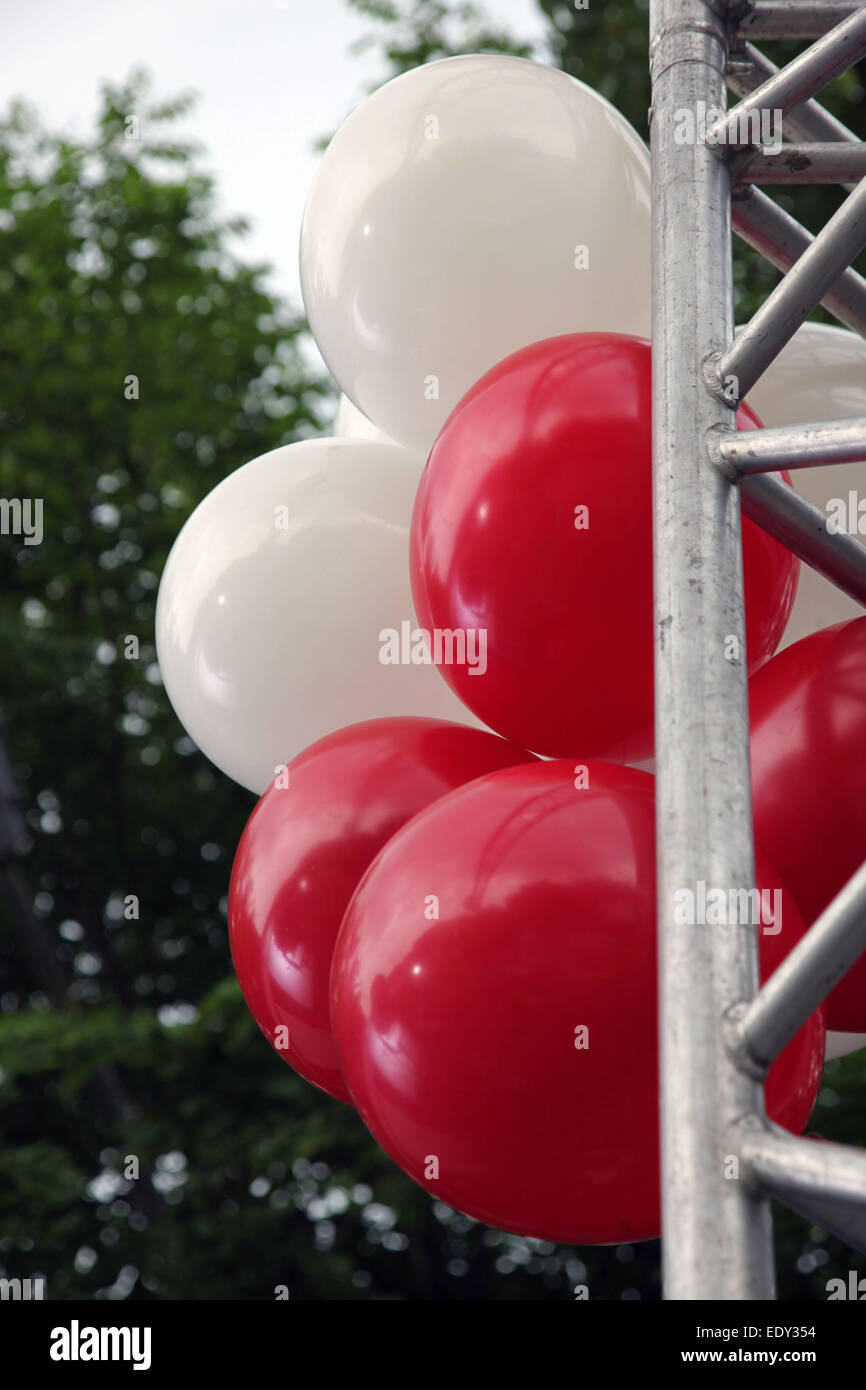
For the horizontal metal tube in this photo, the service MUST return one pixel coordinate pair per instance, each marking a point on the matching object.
(824, 1182)
(794, 990)
(796, 82)
(836, 162)
(793, 299)
(794, 522)
(777, 1157)
(790, 446)
(782, 241)
(809, 121)
(796, 19)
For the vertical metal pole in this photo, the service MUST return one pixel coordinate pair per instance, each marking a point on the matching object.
(716, 1236)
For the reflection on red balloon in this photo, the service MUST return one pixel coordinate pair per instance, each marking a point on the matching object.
(533, 521)
(808, 721)
(304, 850)
(494, 1003)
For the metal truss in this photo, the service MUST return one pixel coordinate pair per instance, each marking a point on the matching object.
(722, 1160)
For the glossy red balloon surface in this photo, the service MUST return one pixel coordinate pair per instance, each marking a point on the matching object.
(304, 850)
(808, 718)
(457, 1031)
(498, 542)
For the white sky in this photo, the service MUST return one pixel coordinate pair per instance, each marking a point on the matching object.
(272, 75)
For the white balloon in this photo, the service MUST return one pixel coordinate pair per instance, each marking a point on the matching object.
(819, 375)
(466, 209)
(350, 423)
(840, 1044)
(274, 598)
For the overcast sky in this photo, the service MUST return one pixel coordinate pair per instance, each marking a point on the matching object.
(272, 75)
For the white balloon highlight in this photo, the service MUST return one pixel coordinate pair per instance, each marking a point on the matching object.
(350, 423)
(468, 208)
(840, 1044)
(820, 375)
(274, 600)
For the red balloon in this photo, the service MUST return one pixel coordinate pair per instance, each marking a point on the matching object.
(304, 850)
(808, 722)
(490, 930)
(533, 520)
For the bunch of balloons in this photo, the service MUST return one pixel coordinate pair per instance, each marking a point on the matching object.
(448, 925)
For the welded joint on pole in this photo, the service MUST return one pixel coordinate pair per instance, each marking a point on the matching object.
(736, 1043)
(739, 1132)
(714, 436)
(726, 391)
(684, 43)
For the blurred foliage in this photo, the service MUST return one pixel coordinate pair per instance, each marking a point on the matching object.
(421, 31)
(125, 1035)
